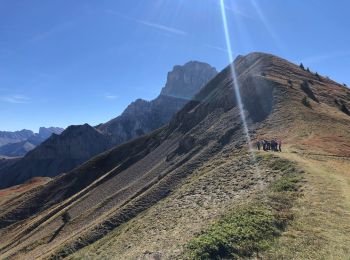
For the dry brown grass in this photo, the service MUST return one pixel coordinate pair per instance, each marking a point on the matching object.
(12, 192)
(165, 229)
(322, 225)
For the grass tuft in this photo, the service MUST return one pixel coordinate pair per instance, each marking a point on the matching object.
(243, 234)
(289, 183)
(251, 229)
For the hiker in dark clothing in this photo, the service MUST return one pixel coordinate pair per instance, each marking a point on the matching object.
(275, 145)
(264, 145)
(258, 145)
(280, 145)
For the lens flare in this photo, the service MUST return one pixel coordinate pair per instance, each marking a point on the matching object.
(236, 85)
(233, 73)
(267, 26)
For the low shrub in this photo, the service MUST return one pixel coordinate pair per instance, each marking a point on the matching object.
(306, 102)
(243, 234)
(251, 229)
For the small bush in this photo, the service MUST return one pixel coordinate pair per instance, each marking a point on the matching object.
(245, 233)
(306, 102)
(308, 70)
(345, 85)
(302, 66)
(308, 91)
(282, 165)
(287, 184)
(344, 109)
(66, 217)
(318, 76)
(250, 229)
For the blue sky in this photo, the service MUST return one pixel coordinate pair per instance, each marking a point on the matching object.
(66, 62)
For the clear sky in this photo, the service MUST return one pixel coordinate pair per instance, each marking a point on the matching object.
(66, 62)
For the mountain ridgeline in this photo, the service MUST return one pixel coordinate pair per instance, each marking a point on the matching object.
(14, 137)
(147, 198)
(15, 144)
(77, 144)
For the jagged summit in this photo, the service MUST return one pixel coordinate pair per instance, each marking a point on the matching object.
(142, 116)
(185, 81)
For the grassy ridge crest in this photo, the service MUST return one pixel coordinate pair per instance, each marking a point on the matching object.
(251, 228)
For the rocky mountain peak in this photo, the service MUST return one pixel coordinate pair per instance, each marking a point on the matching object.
(185, 81)
(46, 132)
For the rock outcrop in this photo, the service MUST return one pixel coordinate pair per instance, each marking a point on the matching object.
(185, 81)
(142, 116)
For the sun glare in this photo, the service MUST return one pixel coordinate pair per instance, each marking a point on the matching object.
(235, 81)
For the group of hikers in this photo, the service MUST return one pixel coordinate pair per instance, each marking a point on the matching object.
(273, 145)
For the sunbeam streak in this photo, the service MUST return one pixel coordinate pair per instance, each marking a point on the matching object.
(267, 25)
(235, 84)
(233, 73)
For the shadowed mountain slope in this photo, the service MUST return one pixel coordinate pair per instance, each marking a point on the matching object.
(62, 153)
(59, 153)
(172, 183)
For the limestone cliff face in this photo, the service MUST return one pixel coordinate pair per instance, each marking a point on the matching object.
(185, 81)
(142, 116)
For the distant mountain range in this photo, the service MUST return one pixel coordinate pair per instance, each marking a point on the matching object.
(77, 144)
(15, 144)
(14, 137)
